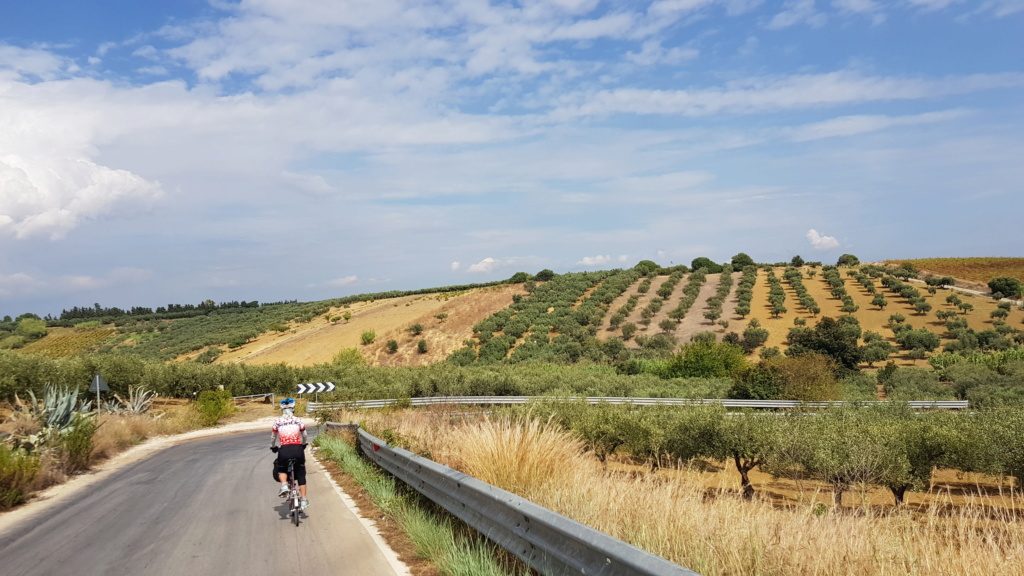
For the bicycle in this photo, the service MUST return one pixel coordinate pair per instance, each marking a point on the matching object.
(294, 497)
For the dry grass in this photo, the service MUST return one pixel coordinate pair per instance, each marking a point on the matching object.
(117, 433)
(712, 530)
(974, 270)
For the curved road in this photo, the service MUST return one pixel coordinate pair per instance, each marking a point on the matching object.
(207, 506)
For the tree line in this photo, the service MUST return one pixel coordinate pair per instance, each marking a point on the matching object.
(846, 447)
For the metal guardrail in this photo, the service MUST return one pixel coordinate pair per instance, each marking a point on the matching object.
(254, 397)
(550, 543)
(726, 402)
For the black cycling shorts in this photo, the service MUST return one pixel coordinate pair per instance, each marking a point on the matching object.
(286, 452)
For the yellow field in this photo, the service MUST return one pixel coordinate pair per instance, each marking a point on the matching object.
(976, 270)
(64, 342)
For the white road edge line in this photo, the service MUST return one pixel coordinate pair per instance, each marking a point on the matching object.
(400, 568)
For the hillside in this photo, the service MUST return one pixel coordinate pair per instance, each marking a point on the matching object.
(973, 273)
(447, 320)
(550, 321)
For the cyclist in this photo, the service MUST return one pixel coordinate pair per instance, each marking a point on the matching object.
(289, 441)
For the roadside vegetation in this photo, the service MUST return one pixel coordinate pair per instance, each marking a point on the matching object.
(45, 440)
(674, 512)
(437, 537)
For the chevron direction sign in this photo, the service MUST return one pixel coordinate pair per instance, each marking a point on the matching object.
(316, 387)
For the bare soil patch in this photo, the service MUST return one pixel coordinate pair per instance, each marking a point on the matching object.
(447, 320)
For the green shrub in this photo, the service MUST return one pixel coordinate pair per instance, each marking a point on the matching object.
(209, 355)
(89, 325)
(421, 346)
(349, 357)
(367, 338)
(392, 346)
(17, 470)
(916, 384)
(76, 444)
(213, 405)
(12, 342)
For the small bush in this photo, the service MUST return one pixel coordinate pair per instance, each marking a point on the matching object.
(416, 329)
(367, 338)
(213, 405)
(17, 470)
(392, 346)
(421, 346)
(209, 355)
(76, 444)
(90, 325)
(348, 357)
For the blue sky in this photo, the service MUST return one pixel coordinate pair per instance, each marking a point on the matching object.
(175, 151)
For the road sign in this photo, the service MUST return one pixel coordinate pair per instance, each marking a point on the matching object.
(98, 384)
(316, 387)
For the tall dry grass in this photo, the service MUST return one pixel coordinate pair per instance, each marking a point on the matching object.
(115, 434)
(715, 532)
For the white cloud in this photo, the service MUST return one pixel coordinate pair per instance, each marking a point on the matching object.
(30, 62)
(486, 265)
(868, 8)
(50, 196)
(598, 260)
(862, 124)
(311, 184)
(1001, 8)
(932, 5)
(819, 242)
(456, 265)
(674, 7)
(770, 94)
(797, 12)
(652, 53)
(856, 6)
(653, 188)
(17, 284)
(344, 281)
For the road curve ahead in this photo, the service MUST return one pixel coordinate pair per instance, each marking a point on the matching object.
(208, 506)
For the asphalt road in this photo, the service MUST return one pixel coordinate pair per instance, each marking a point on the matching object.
(208, 506)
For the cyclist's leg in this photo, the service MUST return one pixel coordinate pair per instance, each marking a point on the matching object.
(281, 467)
(300, 472)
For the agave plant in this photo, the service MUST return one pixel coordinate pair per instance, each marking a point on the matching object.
(59, 407)
(113, 407)
(139, 400)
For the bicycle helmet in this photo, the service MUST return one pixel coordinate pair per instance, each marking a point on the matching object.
(287, 403)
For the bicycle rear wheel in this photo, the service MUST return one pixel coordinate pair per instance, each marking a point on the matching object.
(293, 496)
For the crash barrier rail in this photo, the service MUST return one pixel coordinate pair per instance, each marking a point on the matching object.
(267, 398)
(550, 543)
(726, 402)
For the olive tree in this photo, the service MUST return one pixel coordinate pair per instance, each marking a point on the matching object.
(748, 440)
(1006, 286)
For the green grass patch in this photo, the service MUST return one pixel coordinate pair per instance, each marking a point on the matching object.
(453, 548)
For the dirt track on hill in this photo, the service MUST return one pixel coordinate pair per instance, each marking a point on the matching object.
(318, 341)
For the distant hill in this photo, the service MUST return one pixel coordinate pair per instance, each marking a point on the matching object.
(572, 317)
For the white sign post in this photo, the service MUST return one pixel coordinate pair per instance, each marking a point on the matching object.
(98, 385)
